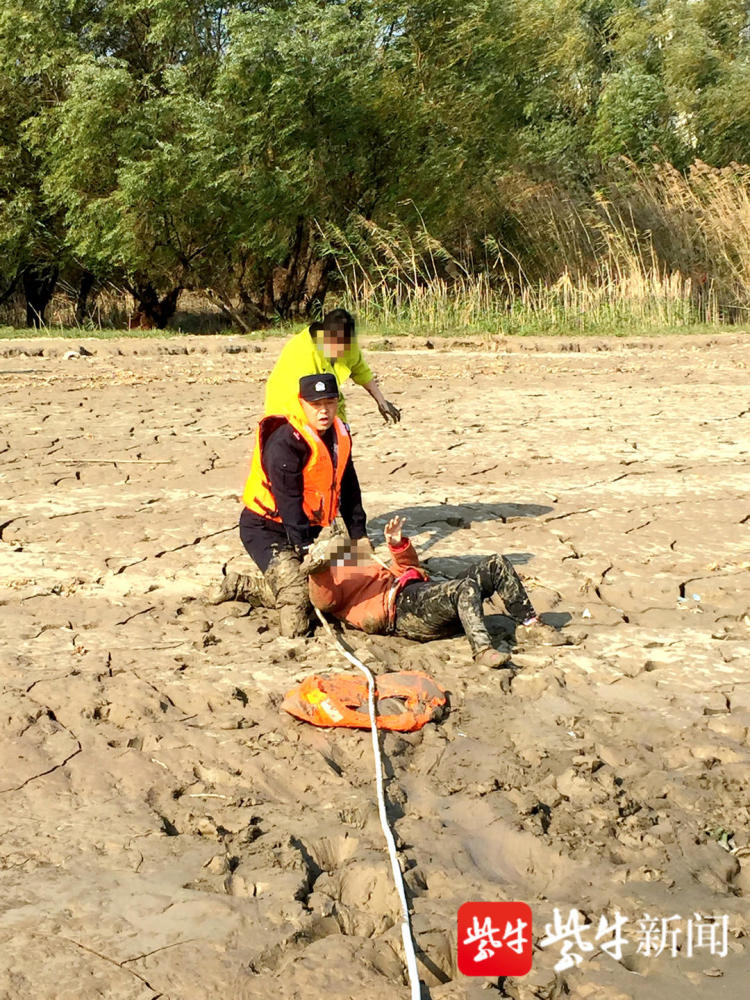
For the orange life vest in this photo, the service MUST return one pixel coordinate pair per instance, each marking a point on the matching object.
(342, 700)
(321, 483)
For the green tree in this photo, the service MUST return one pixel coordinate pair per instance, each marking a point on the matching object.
(32, 239)
(123, 154)
(129, 165)
(310, 130)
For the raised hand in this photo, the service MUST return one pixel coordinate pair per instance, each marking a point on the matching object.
(392, 530)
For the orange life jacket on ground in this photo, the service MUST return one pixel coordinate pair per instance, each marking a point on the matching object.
(321, 489)
(342, 700)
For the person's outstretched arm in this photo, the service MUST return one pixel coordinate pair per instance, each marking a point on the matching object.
(388, 410)
(402, 551)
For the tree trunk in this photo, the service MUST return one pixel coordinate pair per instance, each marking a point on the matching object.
(248, 317)
(82, 299)
(38, 287)
(150, 310)
(300, 286)
(316, 285)
(7, 292)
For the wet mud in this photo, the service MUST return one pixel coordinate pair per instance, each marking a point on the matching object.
(167, 832)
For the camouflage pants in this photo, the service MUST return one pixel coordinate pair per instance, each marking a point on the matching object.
(288, 584)
(427, 610)
(282, 587)
(279, 582)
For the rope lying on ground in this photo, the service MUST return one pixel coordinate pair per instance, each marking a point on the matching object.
(406, 935)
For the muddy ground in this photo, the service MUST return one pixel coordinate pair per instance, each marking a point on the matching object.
(166, 832)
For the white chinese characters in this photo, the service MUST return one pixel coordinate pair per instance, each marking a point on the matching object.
(652, 936)
(489, 938)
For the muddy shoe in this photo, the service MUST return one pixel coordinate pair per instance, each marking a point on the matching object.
(239, 587)
(492, 658)
(224, 590)
(538, 634)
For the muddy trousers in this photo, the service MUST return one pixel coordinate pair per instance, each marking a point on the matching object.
(279, 581)
(436, 610)
(282, 587)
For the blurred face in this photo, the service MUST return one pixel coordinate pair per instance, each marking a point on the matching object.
(351, 557)
(320, 414)
(334, 343)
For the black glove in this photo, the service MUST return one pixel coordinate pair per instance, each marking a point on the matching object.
(389, 412)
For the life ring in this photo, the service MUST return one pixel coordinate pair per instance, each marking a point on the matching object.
(342, 700)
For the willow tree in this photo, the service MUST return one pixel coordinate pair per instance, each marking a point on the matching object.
(123, 157)
(33, 53)
(312, 129)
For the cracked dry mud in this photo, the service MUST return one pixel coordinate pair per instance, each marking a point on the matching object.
(166, 832)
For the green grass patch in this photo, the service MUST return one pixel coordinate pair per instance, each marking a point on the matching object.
(382, 335)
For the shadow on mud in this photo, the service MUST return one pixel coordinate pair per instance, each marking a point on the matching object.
(438, 521)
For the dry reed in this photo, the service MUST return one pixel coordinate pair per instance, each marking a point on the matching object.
(650, 249)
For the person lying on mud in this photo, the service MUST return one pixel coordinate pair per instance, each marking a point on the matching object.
(301, 477)
(330, 346)
(402, 600)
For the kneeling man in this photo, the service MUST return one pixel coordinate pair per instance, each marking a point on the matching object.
(301, 478)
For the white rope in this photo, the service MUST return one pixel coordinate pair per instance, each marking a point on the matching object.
(406, 935)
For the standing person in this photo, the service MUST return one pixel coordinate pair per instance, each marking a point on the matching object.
(401, 600)
(330, 346)
(301, 477)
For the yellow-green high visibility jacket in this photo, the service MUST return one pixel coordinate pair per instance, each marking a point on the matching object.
(302, 356)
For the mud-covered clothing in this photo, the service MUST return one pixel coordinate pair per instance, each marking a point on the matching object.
(281, 585)
(427, 611)
(365, 596)
(285, 455)
(262, 539)
(376, 599)
(302, 355)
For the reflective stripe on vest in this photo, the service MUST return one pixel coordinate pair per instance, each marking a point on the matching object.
(321, 484)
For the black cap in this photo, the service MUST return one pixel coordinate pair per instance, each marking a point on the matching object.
(314, 387)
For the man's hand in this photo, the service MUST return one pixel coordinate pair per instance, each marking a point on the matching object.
(332, 543)
(389, 412)
(392, 530)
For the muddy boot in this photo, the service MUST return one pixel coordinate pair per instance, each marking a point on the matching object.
(250, 589)
(295, 620)
(288, 585)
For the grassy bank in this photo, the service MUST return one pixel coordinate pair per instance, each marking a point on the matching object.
(102, 333)
(383, 330)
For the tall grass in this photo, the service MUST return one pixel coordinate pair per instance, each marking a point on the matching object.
(649, 250)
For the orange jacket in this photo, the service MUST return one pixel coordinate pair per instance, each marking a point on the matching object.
(321, 483)
(364, 596)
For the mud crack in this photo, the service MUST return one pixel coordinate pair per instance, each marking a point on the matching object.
(572, 513)
(112, 961)
(196, 541)
(137, 613)
(55, 767)
(5, 525)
